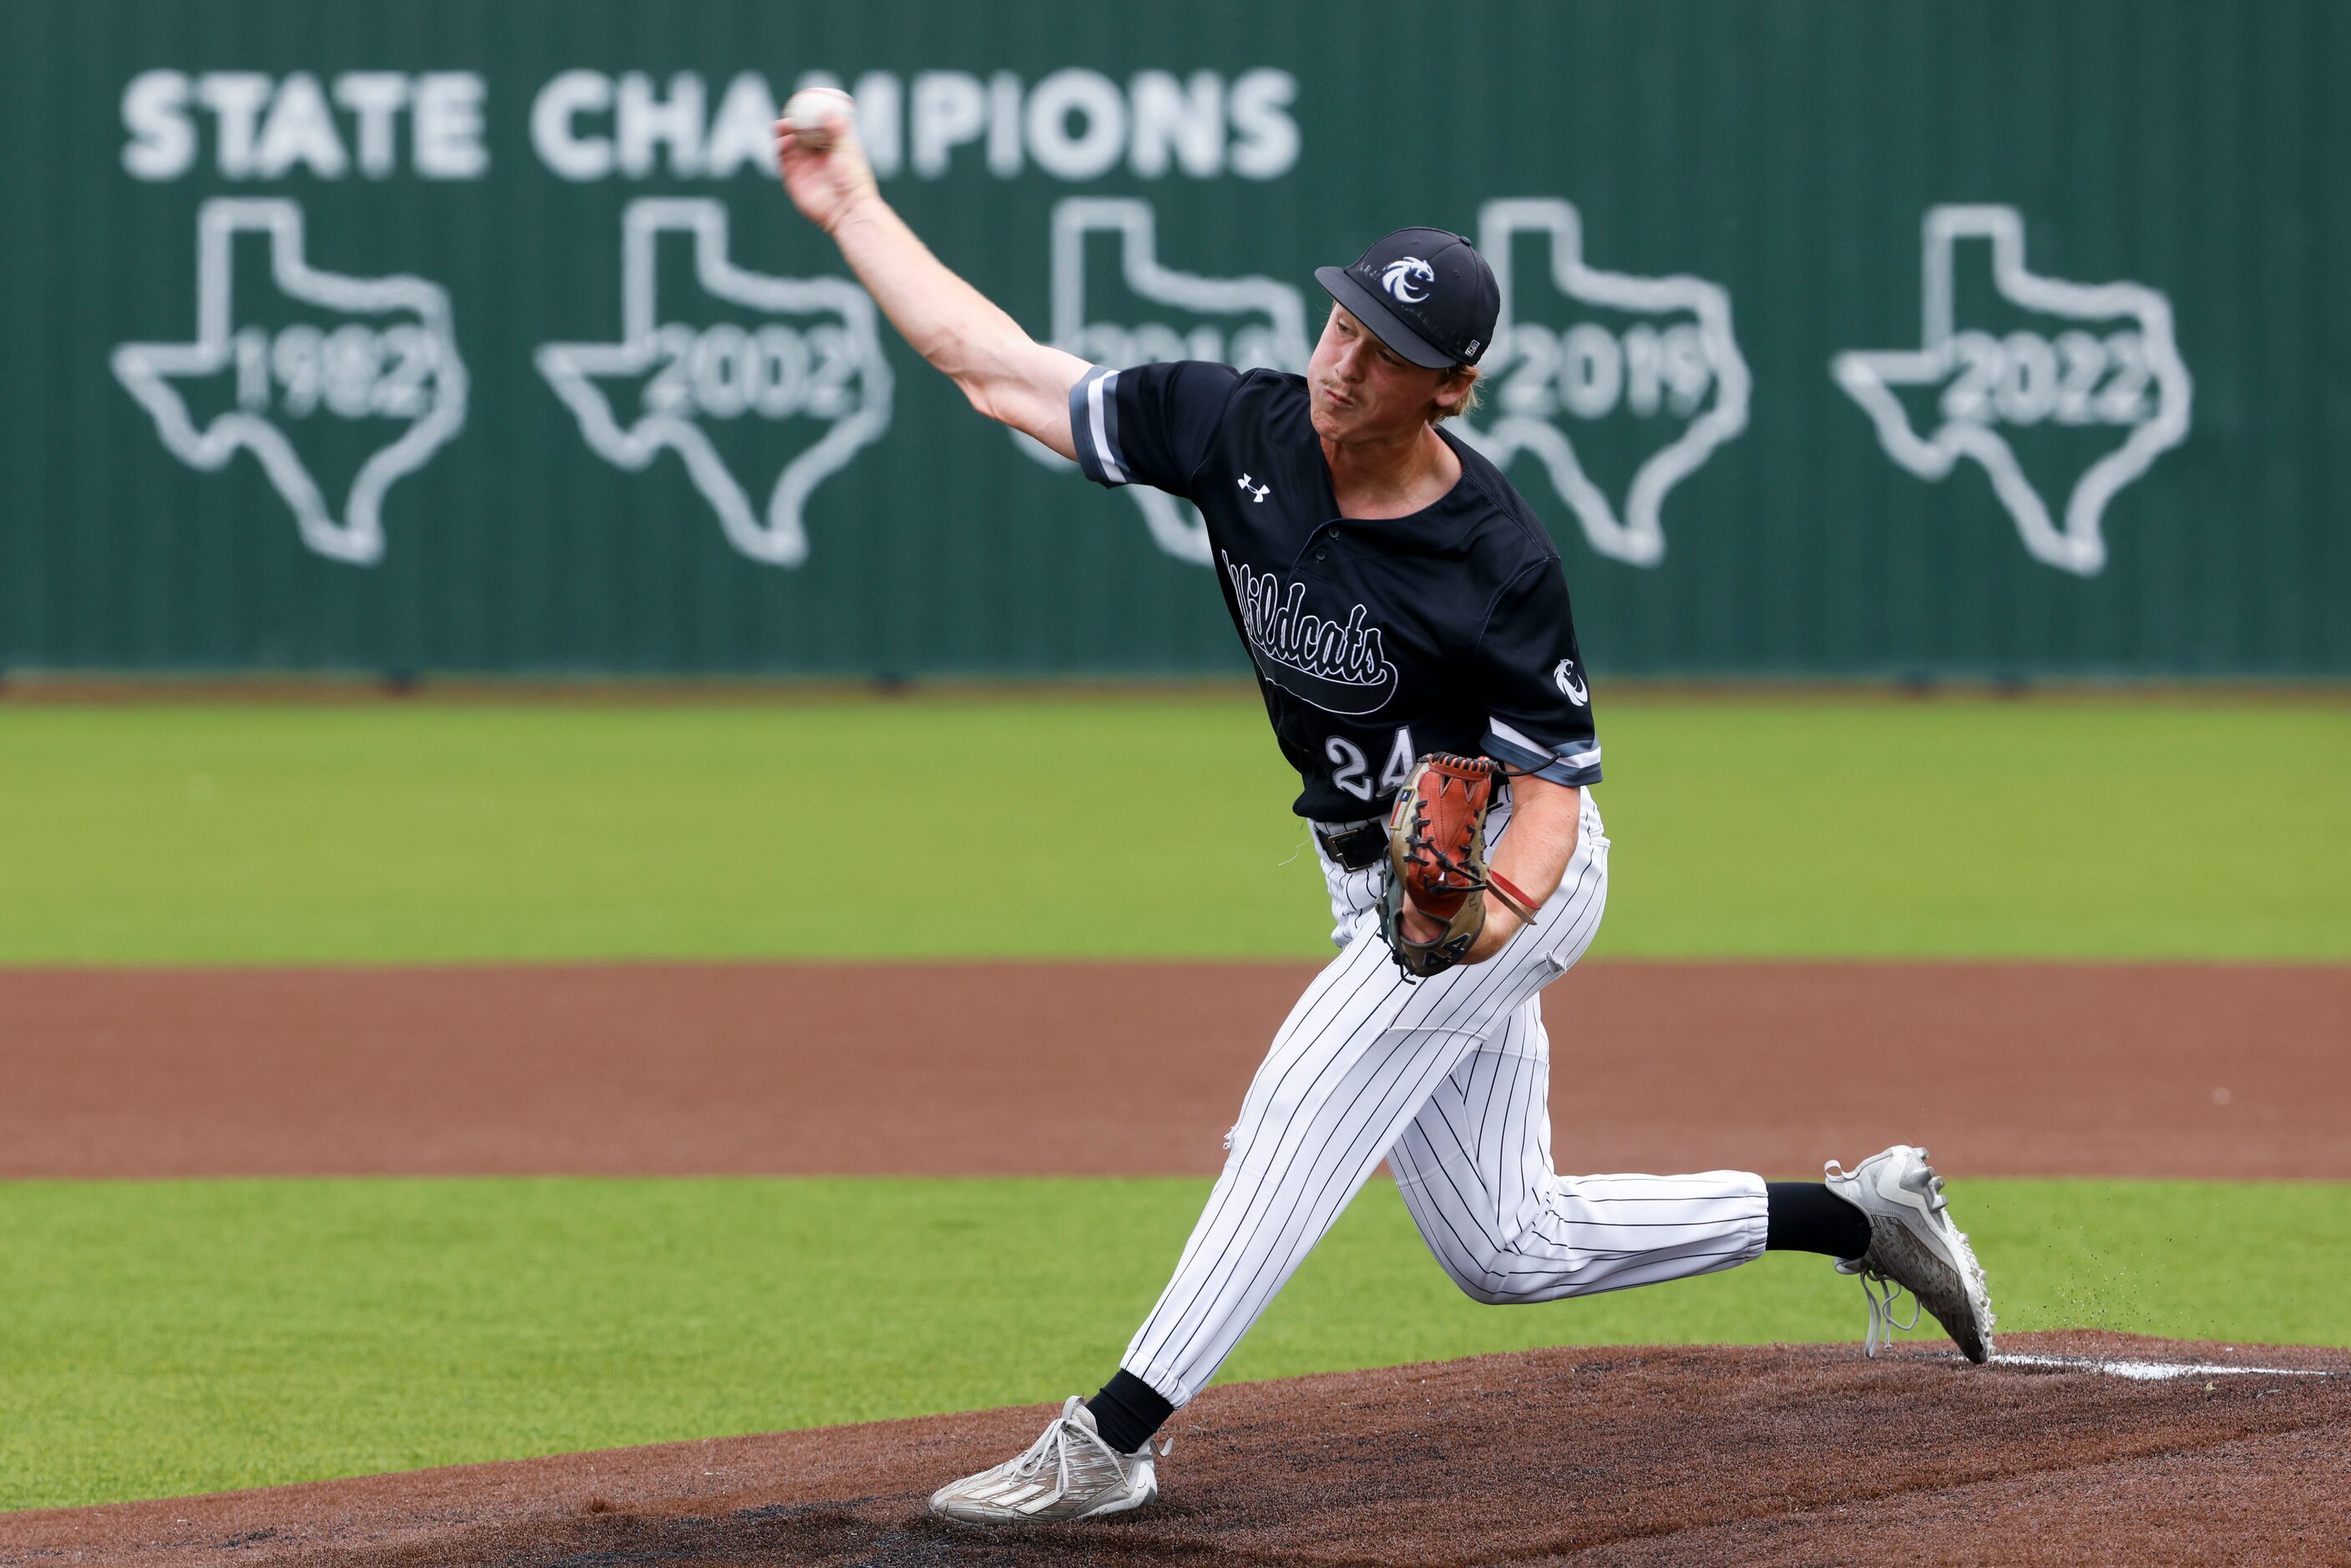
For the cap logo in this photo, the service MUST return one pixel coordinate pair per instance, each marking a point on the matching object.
(1401, 276)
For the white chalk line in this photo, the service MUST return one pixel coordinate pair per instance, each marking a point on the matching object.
(2156, 1370)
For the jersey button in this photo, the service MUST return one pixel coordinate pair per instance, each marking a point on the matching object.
(1320, 554)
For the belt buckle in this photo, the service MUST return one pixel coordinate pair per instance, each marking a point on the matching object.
(1355, 848)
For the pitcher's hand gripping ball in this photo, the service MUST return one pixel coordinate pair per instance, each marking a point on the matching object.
(815, 112)
(1437, 857)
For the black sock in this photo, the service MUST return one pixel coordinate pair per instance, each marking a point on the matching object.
(1127, 1411)
(1806, 1216)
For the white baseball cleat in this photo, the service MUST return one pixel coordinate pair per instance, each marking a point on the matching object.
(1913, 1246)
(1068, 1473)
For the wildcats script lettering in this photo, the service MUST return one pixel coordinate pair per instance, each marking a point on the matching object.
(1338, 666)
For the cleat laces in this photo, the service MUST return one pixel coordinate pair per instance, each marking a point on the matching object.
(1054, 1447)
(1881, 1322)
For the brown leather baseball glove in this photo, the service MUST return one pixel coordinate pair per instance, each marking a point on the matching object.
(1436, 859)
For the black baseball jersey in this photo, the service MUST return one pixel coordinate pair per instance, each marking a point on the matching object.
(1375, 640)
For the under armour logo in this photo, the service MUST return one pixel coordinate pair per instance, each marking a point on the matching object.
(1257, 493)
(1403, 273)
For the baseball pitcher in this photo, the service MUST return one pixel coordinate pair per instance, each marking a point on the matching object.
(1408, 618)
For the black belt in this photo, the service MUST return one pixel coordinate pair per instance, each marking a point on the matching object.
(1355, 848)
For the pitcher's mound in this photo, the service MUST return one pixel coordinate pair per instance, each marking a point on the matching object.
(2071, 1448)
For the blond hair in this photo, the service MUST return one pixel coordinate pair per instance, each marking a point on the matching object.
(1469, 403)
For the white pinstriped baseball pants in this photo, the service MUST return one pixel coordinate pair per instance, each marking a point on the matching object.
(1448, 1080)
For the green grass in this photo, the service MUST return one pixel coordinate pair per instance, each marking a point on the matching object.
(162, 1339)
(388, 833)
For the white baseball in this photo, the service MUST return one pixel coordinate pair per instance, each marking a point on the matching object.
(815, 112)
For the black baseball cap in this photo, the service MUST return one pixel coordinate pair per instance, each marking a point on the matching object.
(1426, 293)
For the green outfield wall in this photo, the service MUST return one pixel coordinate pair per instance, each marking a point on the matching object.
(1841, 336)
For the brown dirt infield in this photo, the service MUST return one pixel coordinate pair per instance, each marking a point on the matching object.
(1095, 1068)
(1620, 1456)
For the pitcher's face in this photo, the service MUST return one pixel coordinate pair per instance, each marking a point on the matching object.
(1358, 389)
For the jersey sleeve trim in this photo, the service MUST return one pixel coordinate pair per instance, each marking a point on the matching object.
(1094, 426)
(1522, 751)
